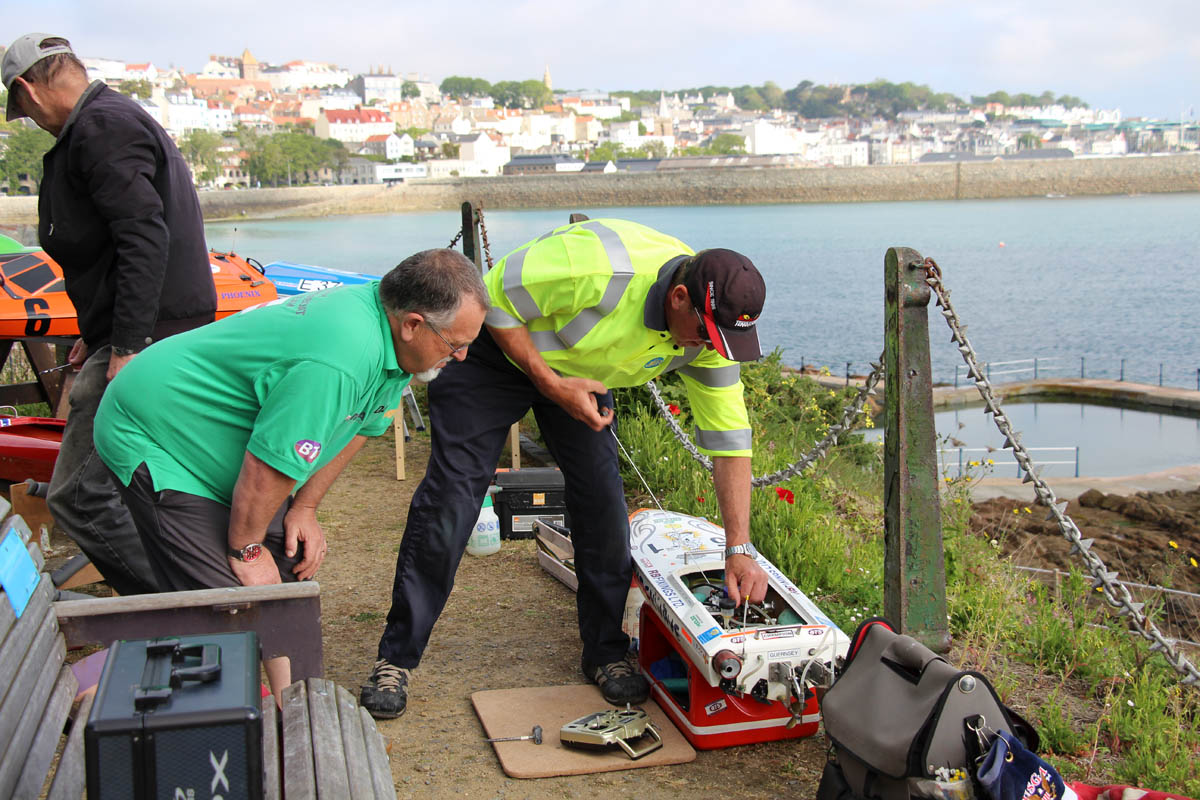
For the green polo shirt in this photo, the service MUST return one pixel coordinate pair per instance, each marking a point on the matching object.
(291, 381)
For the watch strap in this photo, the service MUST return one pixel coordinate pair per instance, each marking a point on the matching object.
(746, 549)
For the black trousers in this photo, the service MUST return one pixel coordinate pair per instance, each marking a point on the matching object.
(186, 536)
(472, 405)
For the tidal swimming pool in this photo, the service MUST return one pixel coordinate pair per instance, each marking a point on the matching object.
(1102, 440)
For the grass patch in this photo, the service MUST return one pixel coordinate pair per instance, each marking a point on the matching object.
(1114, 711)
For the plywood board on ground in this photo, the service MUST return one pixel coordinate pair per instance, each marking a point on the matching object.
(514, 712)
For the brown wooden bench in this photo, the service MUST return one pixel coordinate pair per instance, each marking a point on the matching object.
(286, 617)
(327, 746)
(38, 690)
(322, 745)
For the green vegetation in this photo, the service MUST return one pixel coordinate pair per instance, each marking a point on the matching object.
(1046, 98)
(723, 144)
(521, 94)
(291, 157)
(507, 94)
(880, 98)
(22, 155)
(202, 150)
(462, 88)
(140, 89)
(1108, 710)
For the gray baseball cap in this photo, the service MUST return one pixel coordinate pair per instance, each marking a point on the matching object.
(20, 56)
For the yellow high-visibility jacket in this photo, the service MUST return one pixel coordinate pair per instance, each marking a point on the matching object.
(591, 295)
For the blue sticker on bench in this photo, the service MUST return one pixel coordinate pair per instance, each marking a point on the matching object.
(18, 573)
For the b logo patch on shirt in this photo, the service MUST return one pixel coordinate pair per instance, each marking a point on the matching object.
(652, 363)
(308, 450)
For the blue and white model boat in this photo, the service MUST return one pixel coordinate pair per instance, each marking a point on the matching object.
(292, 278)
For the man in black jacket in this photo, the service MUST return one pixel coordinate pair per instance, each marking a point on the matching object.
(117, 210)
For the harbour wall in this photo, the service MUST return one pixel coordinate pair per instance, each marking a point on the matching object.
(718, 186)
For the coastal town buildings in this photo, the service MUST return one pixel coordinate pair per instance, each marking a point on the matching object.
(395, 126)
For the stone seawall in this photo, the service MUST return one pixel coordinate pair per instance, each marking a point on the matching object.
(960, 181)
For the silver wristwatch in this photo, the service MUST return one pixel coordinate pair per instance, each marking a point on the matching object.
(746, 549)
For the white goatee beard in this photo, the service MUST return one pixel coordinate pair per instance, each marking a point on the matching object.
(427, 376)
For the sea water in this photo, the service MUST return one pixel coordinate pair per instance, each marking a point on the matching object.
(1079, 283)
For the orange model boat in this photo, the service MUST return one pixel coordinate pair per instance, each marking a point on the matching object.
(34, 302)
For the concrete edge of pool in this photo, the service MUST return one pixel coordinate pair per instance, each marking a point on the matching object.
(1138, 396)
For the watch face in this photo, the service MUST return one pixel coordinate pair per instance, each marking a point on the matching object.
(251, 552)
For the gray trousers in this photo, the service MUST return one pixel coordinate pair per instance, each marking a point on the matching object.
(83, 499)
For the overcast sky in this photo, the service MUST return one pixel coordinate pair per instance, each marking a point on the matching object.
(1141, 57)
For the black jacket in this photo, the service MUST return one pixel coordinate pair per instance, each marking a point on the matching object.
(118, 212)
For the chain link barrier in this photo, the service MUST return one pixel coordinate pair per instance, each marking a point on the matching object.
(487, 248)
(818, 451)
(1115, 593)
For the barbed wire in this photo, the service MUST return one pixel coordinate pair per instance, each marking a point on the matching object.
(1115, 593)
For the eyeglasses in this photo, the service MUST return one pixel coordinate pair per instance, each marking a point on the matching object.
(702, 331)
(454, 349)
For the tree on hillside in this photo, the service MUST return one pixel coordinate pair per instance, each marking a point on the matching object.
(1069, 101)
(23, 153)
(748, 99)
(728, 144)
(507, 94)
(772, 95)
(139, 88)
(267, 161)
(413, 131)
(608, 151)
(201, 149)
(535, 93)
(408, 89)
(295, 157)
(336, 157)
(655, 149)
(462, 88)
(1029, 141)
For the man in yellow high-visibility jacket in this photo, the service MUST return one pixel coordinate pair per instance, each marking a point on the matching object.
(588, 307)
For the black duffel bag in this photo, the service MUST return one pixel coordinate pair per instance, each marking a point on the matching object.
(901, 720)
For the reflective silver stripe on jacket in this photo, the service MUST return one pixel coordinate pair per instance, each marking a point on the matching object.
(499, 318)
(545, 341)
(725, 440)
(689, 355)
(715, 377)
(515, 289)
(622, 273)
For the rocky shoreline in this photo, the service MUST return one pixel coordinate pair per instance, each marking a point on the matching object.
(720, 186)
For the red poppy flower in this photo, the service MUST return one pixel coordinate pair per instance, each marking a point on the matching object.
(674, 409)
(786, 495)
(700, 498)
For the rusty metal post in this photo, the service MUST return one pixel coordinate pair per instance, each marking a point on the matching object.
(470, 239)
(914, 594)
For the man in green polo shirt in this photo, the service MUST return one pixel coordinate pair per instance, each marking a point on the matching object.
(209, 433)
(585, 308)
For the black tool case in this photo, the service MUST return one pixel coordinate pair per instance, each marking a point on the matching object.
(527, 495)
(177, 717)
